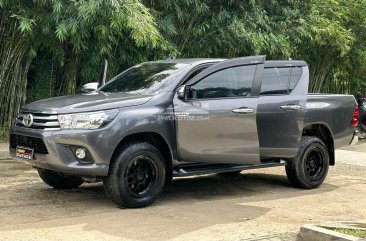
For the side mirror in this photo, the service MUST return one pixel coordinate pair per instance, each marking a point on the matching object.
(89, 87)
(183, 92)
(180, 92)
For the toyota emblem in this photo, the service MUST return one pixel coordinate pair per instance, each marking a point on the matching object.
(27, 120)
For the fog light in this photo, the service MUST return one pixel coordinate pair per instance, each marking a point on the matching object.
(80, 153)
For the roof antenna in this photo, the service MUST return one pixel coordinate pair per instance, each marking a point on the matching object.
(103, 73)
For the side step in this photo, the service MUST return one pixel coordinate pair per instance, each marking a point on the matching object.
(220, 168)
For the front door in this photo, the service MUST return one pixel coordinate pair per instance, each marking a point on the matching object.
(217, 123)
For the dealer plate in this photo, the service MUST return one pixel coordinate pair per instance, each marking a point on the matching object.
(24, 152)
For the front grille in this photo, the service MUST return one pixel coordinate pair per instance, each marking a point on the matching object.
(27, 141)
(39, 121)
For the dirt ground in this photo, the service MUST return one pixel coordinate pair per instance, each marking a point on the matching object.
(254, 205)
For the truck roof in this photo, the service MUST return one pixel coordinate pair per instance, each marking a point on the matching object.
(284, 63)
(267, 63)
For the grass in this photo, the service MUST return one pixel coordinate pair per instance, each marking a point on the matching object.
(349, 231)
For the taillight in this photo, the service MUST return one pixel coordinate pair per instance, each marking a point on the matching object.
(355, 116)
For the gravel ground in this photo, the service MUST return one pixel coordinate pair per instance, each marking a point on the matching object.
(254, 205)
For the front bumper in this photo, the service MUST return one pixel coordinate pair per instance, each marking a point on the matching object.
(100, 144)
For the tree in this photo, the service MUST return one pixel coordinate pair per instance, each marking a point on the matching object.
(51, 47)
(66, 40)
(328, 34)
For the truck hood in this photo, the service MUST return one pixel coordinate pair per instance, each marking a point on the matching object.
(85, 102)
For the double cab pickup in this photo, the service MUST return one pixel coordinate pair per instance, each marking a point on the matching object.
(175, 118)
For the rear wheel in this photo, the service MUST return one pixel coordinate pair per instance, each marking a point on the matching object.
(310, 167)
(137, 176)
(59, 180)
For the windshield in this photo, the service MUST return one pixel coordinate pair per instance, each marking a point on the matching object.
(145, 78)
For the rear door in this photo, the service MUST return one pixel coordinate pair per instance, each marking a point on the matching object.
(281, 109)
(217, 124)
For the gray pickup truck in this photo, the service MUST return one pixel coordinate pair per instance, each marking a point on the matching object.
(175, 118)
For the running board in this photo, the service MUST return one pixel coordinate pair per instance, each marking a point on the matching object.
(209, 169)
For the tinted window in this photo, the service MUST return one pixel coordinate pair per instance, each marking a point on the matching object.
(231, 82)
(275, 81)
(296, 73)
(144, 79)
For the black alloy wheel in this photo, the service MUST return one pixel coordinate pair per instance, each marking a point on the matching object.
(314, 164)
(140, 176)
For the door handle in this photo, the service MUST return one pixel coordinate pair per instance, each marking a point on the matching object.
(243, 110)
(290, 107)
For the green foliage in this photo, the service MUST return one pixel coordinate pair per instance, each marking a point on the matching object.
(361, 233)
(41, 78)
(58, 44)
(328, 34)
(52, 47)
(4, 136)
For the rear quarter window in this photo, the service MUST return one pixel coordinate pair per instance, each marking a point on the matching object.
(275, 81)
(296, 73)
(280, 81)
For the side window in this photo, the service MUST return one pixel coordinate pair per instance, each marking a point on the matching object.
(275, 81)
(280, 81)
(296, 73)
(231, 82)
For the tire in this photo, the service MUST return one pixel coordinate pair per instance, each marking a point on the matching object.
(136, 176)
(310, 167)
(59, 180)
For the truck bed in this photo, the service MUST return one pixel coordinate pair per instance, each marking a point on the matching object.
(335, 112)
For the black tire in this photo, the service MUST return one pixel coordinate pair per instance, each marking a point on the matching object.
(136, 176)
(310, 167)
(59, 180)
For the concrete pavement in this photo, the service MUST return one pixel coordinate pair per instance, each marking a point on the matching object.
(352, 155)
(254, 205)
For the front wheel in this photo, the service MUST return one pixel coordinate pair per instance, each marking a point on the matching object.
(310, 167)
(59, 180)
(137, 176)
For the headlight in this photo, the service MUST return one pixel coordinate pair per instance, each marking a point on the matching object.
(88, 120)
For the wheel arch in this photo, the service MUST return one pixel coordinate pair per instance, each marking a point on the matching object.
(323, 132)
(152, 138)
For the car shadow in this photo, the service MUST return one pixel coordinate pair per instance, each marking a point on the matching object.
(214, 187)
(237, 186)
